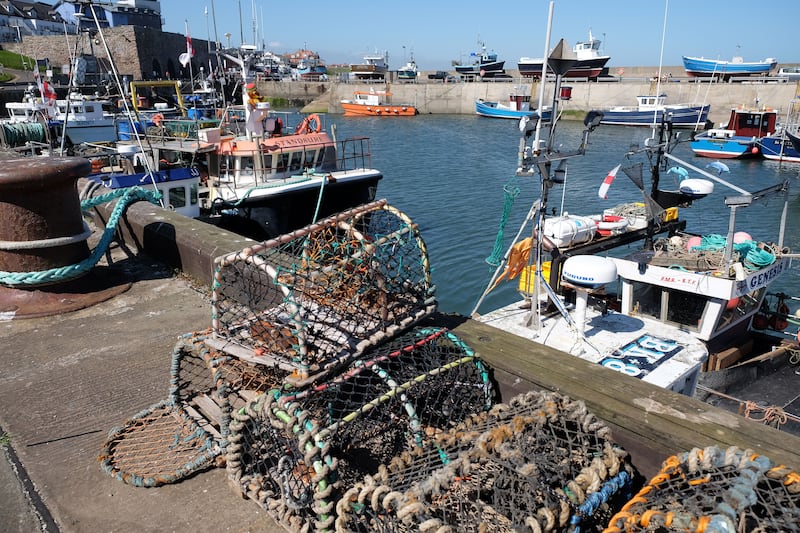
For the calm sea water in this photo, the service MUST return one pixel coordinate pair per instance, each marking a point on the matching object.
(447, 172)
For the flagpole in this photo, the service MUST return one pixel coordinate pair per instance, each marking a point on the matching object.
(189, 50)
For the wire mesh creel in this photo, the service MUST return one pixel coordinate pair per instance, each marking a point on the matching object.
(311, 299)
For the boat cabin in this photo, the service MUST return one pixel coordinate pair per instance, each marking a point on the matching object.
(126, 167)
(651, 102)
(753, 122)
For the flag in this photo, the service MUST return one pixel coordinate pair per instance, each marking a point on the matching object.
(48, 94)
(602, 193)
(187, 56)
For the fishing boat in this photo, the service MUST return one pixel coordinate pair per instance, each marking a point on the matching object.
(409, 71)
(779, 147)
(513, 110)
(122, 166)
(262, 173)
(724, 70)
(374, 67)
(740, 137)
(485, 64)
(83, 118)
(649, 299)
(650, 110)
(376, 104)
(590, 62)
(794, 138)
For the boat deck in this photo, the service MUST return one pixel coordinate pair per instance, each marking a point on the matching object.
(650, 422)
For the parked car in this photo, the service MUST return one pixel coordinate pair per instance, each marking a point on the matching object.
(438, 75)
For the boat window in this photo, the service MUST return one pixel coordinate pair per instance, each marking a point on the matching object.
(283, 162)
(297, 161)
(246, 166)
(647, 299)
(739, 307)
(193, 195)
(685, 308)
(88, 109)
(177, 197)
(311, 155)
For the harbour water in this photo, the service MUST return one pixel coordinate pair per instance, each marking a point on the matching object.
(447, 172)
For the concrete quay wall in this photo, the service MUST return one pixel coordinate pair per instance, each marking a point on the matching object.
(459, 98)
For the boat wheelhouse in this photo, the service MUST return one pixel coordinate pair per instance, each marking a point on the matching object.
(740, 136)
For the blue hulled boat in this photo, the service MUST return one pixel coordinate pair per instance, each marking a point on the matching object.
(779, 147)
(485, 64)
(702, 67)
(740, 138)
(650, 110)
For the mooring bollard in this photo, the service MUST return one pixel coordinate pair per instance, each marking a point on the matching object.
(41, 226)
(41, 231)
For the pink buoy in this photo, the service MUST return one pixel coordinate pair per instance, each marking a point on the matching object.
(741, 236)
(693, 242)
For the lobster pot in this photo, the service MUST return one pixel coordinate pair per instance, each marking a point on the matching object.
(296, 453)
(539, 463)
(715, 489)
(322, 294)
(186, 433)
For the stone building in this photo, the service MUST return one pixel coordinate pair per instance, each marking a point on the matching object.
(137, 52)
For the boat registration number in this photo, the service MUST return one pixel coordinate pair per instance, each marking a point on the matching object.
(642, 355)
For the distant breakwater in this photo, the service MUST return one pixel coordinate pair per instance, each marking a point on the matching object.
(459, 98)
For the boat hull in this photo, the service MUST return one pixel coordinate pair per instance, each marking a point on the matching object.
(731, 148)
(383, 110)
(701, 67)
(487, 70)
(779, 148)
(590, 68)
(495, 110)
(681, 116)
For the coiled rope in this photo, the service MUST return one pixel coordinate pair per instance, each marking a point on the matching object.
(126, 197)
(20, 133)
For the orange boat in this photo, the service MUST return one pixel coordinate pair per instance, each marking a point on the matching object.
(377, 104)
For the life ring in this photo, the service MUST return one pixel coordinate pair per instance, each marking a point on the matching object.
(307, 127)
(610, 224)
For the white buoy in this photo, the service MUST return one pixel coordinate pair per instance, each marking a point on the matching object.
(696, 188)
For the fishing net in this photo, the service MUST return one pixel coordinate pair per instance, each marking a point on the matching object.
(296, 452)
(541, 462)
(715, 490)
(311, 299)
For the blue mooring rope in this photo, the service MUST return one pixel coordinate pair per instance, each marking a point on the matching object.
(126, 197)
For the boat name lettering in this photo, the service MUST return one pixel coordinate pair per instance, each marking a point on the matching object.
(641, 356)
(300, 140)
(764, 278)
(675, 279)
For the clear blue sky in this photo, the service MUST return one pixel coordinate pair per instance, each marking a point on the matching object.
(440, 32)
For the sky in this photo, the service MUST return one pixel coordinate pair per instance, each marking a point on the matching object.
(438, 33)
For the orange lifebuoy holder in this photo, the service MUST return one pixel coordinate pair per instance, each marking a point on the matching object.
(311, 124)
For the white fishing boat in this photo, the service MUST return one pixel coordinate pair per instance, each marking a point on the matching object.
(263, 175)
(648, 299)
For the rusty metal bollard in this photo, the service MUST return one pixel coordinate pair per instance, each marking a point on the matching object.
(41, 228)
